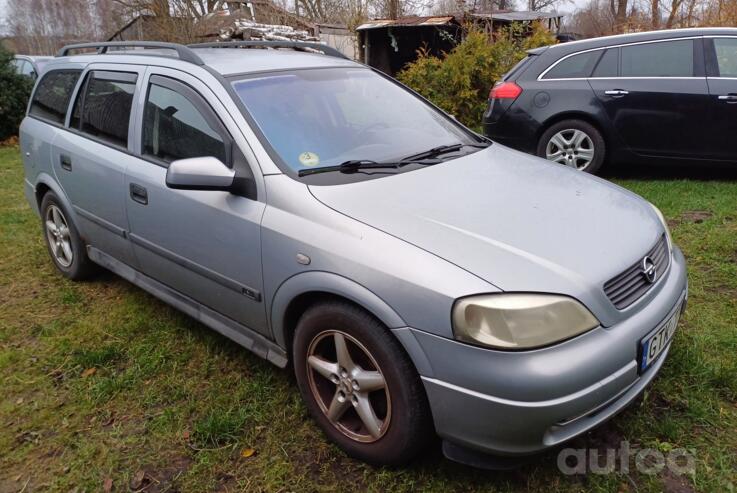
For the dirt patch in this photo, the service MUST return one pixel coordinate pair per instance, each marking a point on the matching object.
(675, 484)
(162, 479)
(697, 217)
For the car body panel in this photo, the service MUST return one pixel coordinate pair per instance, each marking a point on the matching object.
(459, 223)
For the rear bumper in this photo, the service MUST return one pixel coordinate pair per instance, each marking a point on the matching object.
(525, 402)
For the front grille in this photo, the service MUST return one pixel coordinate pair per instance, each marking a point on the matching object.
(627, 287)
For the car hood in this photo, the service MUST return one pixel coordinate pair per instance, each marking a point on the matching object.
(514, 220)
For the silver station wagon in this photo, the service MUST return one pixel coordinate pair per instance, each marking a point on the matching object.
(420, 279)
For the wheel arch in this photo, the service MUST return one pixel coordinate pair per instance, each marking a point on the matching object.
(303, 290)
(573, 115)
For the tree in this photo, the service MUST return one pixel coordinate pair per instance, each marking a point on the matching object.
(13, 97)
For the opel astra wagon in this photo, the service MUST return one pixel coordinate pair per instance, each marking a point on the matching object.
(656, 97)
(419, 279)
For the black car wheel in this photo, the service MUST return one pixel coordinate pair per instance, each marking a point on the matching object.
(359, 384)
(65, 246)
(573, 143)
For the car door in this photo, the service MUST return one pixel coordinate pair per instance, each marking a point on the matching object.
(657, 102)
(721, 55)
(91, 156)
(205, 244)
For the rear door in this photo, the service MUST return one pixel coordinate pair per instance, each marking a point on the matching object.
(657, 102)
(205, 244)
(91, 157)
(721, 54)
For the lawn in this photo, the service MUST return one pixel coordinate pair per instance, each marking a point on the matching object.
(104, 388)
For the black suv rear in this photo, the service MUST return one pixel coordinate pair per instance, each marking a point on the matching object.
(656, 96)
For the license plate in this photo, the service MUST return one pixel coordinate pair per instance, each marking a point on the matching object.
(655, 343)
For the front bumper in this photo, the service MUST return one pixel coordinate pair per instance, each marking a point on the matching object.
(516, 403)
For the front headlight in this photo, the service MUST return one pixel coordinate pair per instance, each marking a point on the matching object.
(668, 238)
(519, 321)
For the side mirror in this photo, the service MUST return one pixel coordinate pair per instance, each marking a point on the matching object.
(199, 173)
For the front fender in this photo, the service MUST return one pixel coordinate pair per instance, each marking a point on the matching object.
(326, 282)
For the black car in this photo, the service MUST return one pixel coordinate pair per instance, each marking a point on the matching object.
(655, 96)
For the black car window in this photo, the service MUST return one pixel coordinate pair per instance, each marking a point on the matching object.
(175, 128)
(574, 66)
(608, 65)
(103, 106)
(663, 59)
(51, 99)
(726, 51)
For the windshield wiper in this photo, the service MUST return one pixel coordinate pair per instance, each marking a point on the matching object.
(443, 149)
(350, 166)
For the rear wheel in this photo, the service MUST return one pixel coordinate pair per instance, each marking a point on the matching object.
(573, 143)
(63, 241)
(359, 385)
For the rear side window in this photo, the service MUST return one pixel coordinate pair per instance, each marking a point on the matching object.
(726, 51)
(608, 65)
(177, 124)
(103, 107)
(575, 66)
(51, 99)
(664, 59)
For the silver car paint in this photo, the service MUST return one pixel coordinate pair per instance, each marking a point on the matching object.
(404, 247)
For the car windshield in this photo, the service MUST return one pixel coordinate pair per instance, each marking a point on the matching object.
(324, 117)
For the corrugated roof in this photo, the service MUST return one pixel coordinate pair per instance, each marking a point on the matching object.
(520, 16)
(408, 21)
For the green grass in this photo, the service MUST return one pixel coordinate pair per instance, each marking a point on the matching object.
(173, 401)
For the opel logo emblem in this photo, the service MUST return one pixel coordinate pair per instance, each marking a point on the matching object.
(648, 269)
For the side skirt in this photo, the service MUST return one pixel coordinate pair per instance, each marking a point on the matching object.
(239, 333)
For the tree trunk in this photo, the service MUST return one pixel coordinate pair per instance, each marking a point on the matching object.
(655, 12)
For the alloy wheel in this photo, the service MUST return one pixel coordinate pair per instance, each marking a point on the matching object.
(58, 236)
(570, 147)
(348, 386)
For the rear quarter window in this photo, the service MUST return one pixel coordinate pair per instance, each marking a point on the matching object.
(51, 99)
(575, 66)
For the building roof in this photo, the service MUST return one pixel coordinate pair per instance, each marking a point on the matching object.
(409, 21)
(519, 16)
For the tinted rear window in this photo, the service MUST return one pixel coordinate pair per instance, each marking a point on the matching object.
(665, 59)
(103, 109)
(52, 95)
(575, 66)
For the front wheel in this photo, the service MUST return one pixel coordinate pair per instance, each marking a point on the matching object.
(359, 385)
(573, 143)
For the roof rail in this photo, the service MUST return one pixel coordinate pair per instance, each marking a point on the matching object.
(295, 45)
(184, 52)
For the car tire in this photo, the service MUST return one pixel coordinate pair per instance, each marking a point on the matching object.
(349, 389)
(569, 142)
(65, 246)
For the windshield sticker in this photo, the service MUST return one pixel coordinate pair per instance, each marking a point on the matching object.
(309, 159)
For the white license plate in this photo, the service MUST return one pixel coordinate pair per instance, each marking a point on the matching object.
(655, 343)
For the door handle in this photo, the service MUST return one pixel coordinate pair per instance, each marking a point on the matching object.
(139, 194)
(66, 162)
(616, 92)
(729, 98)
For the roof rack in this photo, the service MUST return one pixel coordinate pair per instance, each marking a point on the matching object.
(295, 45)
(184, 52)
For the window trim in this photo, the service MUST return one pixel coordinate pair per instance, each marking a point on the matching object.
(695, 64)
(72, 95)
(201, 105)
(81, 93)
